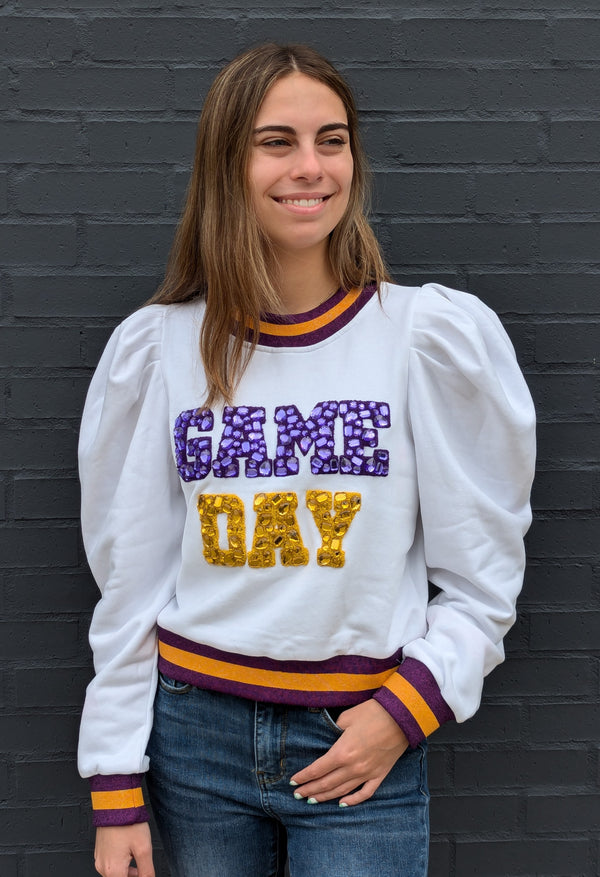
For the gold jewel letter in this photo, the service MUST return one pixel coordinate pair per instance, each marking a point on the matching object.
(276, 527)
(210, 506)
(332, 529)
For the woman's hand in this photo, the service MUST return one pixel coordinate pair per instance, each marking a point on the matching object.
(117, 845)
(371, 744)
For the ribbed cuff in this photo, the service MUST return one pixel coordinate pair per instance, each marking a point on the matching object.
(413, 698)
(118, 799)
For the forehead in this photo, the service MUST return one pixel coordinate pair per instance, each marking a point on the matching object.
(297, 100)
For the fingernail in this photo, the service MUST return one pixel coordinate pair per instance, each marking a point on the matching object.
(298, 796)
(311, 801)
(293, 783)
(343, 804)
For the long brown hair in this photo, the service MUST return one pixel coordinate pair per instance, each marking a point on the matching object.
(219, 251)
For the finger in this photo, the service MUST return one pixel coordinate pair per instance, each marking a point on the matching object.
(363, 794)
(145, 867)
(332, 760)
(318, 796)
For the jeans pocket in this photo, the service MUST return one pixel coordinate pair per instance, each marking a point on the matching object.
(330, 718)
(173, 686)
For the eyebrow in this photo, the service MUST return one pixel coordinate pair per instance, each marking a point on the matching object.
(287, 129)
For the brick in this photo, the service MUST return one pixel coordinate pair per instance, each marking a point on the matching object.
(129, 244)
(558, 489)
(55, 687)
(49, 591)
(37, 780)
(489, 142)
(563, 813)
(31, 640)
(525, 769)
(348, 37)
(40, 244)
(439, 856)
(39, 546)
(46, 499)
(462, 242)
(106, 88)
(399, 88)
(3, 193)
(2, 498)
(158, 38)
(565, 723)
(39, 448)
(38, 825)
(577, 39)
(493, 723)
(536, 89)
(568, 442)
(106, 295)
(569, 241)
(536, 192)
(566, 537)
(40, 733)
(4, 781)
(25, 346)
(540, 293)
(142, 142)
(463, 39)
(522, 858)
(466, 813)
(437, 768)
(412, 192)
(96, 342)
(568, 583)
(191, 85)
(8, 865)
(574, 140)
(571, 342)
(567, 395)
(537, 676)
(39, 39)
(47, 397)
(62, 864)
(41, 142)
(573, 631)
(3, 88)
(92, 192)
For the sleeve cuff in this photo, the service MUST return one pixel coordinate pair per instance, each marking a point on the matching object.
(413, 698)
(118, 800)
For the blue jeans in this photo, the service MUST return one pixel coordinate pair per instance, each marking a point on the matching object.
(219, 786)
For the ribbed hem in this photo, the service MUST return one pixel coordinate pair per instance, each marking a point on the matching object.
(413, 698)
(343, 680)
(118, 800)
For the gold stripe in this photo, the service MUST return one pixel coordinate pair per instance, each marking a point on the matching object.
(414, 702)
(287, 329)
(272, 678)
(121, 799)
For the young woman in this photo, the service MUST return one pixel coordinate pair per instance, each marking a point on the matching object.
(276, 456)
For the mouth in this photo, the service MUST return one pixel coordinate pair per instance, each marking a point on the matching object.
(303, 202)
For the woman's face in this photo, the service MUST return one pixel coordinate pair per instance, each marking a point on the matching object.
(300, 169)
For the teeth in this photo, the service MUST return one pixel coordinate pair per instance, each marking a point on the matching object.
(302, 202)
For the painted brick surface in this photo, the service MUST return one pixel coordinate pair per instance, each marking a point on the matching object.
(481, 120)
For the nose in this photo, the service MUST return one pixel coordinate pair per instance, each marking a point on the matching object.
(308, 164)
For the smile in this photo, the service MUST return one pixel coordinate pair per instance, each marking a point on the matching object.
(302, 202)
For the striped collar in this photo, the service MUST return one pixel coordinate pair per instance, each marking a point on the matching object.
(302, 330)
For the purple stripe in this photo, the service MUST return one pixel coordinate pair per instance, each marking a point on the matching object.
(288, 696)
(331, 302)
(421, 678)
(105, 818)
(338, 664)
(115, 782)
(401, 715)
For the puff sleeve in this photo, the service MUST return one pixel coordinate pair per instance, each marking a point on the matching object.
(132, 522)
(472, 421)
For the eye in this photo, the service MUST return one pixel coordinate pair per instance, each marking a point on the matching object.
(333, 143)
(275, 143)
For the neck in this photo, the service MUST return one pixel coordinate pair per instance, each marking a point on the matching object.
(306, 281)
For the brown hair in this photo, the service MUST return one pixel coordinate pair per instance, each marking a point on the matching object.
(219, 251)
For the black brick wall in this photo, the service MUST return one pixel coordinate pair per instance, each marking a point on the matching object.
(481, 119)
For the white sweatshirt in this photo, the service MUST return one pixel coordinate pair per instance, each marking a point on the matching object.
(280, 548)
